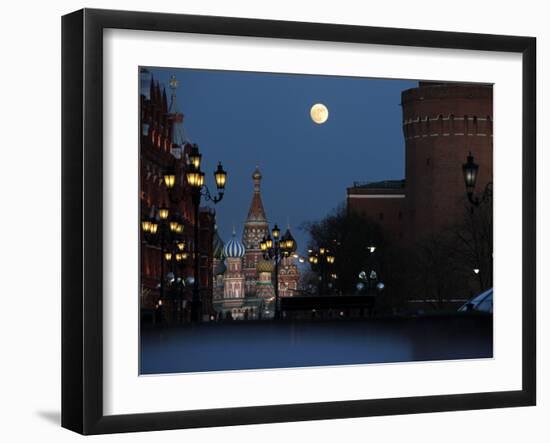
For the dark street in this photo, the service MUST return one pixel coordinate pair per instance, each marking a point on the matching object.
(260, 345)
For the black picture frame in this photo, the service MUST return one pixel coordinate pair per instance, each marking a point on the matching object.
(82, 190)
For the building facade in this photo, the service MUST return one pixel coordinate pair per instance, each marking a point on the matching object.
(442, 124)
(163, 148)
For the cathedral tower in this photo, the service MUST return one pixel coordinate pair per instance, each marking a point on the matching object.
(233, 280)
(255, 228)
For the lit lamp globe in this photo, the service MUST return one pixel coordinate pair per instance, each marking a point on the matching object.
(319, 113)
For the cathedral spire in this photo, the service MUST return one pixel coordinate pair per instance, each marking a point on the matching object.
(256, 211)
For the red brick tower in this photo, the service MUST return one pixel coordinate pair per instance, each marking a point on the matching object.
(442, 123)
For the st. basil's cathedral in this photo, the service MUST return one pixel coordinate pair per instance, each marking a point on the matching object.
(243, 286)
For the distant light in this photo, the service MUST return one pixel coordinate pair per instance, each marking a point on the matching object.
(476, 271)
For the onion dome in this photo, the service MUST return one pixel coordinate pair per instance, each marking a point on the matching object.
(234, 248)
(265, 266)
(217, 245)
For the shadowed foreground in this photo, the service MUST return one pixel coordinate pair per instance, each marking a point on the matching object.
(260, 345)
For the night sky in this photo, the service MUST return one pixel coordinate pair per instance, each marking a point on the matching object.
(248, 119)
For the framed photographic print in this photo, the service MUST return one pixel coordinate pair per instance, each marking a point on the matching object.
(269, 221)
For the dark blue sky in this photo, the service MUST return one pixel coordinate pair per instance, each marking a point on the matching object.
(248, 119)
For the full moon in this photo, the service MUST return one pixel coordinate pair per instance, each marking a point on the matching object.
(319, 113)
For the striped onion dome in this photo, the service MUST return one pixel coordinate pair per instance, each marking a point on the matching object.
(234, 248)
(265, 266)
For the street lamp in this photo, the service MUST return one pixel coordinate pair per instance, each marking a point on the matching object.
(276, 232)
(370, 281)
(470, 171)
(174, 225)
(146, 225)
(170, 179)
(220, 176)
(195, 157)
(163, 213)
(276, 249)
(195, 179)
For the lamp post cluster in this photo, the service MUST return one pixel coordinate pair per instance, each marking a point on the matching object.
(274, 247)
(168, 228)
(195, 179)
(470, 172)
(370, 281)
(323, 259)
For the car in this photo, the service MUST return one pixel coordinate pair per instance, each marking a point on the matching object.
(480, 303)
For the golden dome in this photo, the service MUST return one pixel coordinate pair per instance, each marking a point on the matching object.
(264, 266)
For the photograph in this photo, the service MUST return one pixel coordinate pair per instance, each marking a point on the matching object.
(291, 220)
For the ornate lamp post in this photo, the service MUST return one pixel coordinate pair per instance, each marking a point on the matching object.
(276, 249)
(150, 228)
(195, 179)
(323, 258)
(470, 171)
(179, 258)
